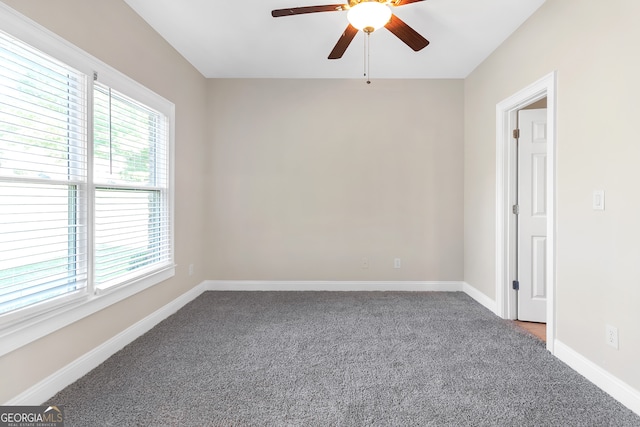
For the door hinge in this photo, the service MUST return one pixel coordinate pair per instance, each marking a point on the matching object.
(516, 133)
(516, 285)
(515, 209)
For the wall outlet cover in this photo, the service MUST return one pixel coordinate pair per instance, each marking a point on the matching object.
(612, 336)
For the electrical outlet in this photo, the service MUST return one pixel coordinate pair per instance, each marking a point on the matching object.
(190, 269)
(612, 336)
(365, 263)
(397, 263)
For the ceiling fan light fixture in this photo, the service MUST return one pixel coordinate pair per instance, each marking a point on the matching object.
(368, 16)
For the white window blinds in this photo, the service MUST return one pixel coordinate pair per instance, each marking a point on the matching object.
(132, 224)
(43, 177)
(85, 197)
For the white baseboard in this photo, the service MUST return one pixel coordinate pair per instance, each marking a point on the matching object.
(480, 298)
(48, 387)
(332, 285)
(618, 389)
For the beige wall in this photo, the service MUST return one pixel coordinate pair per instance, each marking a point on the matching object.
(593, 46)
(308, 177)
(112, 32)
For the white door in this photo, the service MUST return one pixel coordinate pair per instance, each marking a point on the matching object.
(532, 217)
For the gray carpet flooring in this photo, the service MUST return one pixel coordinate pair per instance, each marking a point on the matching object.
(337, 359)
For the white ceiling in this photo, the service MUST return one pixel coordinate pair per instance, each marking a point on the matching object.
(240, 39)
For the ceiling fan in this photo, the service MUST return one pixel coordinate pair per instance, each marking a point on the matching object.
(365, 15)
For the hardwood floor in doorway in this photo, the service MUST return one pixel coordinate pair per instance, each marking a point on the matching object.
(539, 330)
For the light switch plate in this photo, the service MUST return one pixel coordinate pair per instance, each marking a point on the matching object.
(598, 200)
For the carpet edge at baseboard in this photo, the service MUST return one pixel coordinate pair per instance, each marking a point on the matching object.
(606, 381)
(48, 387)
(335, 285)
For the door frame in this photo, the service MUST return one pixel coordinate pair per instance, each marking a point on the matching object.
(506, 162)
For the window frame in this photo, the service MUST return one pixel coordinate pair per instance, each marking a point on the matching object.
(22, 327)
(151, 100)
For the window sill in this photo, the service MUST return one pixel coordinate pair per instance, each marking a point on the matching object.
(23, 333)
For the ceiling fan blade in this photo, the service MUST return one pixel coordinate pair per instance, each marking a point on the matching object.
(307, 9)
(407, 34)
(403, 2)
(343, 42)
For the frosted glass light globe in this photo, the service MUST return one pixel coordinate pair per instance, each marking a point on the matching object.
(368, 16)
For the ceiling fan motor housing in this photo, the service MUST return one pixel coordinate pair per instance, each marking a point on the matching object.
(356, 2)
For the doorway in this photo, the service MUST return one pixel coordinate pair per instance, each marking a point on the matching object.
(506, 189)
(530, 213)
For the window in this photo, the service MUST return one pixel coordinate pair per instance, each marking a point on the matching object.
(43, 175)
(85, 184)
(131, 188)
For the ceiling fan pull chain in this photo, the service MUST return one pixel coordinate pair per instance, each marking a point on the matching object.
(367, 55)
(364, 54)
